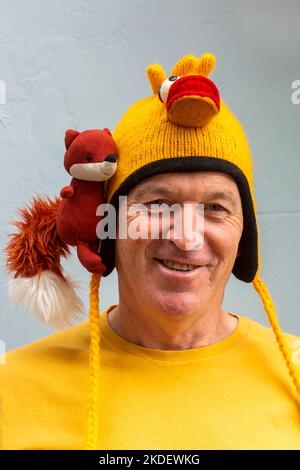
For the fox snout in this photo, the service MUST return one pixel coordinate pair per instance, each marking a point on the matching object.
(95, 171)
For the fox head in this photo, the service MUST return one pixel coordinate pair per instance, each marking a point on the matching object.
(90, 155)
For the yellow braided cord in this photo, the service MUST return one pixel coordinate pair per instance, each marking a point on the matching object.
(262, 290)
(93, 418)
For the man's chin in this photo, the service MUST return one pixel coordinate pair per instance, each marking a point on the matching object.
(175, 303)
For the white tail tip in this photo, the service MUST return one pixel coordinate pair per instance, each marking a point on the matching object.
(50, 298)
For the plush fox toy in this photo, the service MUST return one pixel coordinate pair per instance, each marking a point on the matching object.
(49, 227)
(91, 158)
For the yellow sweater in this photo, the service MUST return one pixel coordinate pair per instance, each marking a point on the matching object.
(235, 394)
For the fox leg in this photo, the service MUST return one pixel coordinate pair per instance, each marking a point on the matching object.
(90, 260)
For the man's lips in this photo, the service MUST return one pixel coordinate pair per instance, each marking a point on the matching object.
(178, 274)
(179, 261)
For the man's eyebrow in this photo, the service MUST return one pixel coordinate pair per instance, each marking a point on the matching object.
(150, 190)
(225, 195)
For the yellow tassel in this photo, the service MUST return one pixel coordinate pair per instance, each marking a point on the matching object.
(93, 412)
(262, 290)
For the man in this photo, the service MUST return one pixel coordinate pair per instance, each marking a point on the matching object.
(169, 368)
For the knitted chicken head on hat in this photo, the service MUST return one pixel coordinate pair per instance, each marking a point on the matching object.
(153, 137)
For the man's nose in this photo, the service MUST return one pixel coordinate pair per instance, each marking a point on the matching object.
(187, 228)
(110, 158)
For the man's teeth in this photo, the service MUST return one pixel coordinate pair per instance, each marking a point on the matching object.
(177, 266)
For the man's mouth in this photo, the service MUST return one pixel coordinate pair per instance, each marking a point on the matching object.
(177, 266)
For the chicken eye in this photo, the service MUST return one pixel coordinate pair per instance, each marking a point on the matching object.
(165, 86)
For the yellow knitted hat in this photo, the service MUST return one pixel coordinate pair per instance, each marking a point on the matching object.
(183, 126)
(150, 142)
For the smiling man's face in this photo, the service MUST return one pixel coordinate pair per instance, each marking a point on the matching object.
(144, 279)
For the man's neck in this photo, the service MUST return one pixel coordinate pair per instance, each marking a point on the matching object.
(163, 332)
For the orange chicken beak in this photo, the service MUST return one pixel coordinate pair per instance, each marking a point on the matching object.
(193, 100)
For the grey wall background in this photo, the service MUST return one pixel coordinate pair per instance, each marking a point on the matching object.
(80, 64)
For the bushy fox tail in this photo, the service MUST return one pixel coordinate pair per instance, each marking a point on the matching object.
(34, 255)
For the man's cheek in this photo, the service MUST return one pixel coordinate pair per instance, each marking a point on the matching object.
(138, 227)
(225, 243)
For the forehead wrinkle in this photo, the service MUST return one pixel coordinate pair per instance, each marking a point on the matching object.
(149, 190)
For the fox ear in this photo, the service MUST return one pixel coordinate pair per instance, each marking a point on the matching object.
(70, 135)
(106, 130)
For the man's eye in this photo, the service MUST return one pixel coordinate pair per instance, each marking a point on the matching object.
(158, 206)
(157, 202)
(216, 206)
(216, 210)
